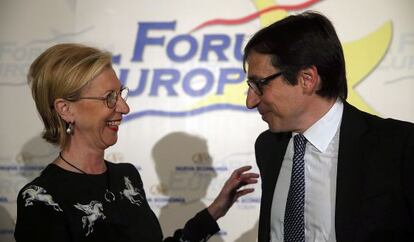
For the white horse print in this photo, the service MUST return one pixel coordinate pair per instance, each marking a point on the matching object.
(133, 194)
(94, 211)
(36, 193)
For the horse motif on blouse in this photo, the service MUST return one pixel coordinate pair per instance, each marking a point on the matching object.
(93, 211)
(131, 193)
(36, 193)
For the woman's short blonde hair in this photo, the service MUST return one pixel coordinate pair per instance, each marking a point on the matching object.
(61, 72)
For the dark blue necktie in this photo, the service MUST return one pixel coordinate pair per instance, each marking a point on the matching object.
(294, 226)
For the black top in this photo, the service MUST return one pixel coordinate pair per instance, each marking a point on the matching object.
(62, 206)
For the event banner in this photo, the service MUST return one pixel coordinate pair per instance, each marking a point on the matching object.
(188, 127)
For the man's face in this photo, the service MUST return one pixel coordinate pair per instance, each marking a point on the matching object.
(282, 105)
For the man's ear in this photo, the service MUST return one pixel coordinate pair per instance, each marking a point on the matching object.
(63, 108)
(309, 80)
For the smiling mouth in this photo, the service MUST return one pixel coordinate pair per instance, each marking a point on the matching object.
(113, 124)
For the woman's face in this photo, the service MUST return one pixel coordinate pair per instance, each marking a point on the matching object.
(96, 125)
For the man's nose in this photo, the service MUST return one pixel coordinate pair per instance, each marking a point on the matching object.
(252, 99)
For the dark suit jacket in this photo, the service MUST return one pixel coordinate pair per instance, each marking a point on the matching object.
(375, 178)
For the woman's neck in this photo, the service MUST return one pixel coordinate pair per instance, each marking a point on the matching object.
(82, 161)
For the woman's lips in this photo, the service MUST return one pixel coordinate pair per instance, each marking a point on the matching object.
(113, 128)
(113, 125)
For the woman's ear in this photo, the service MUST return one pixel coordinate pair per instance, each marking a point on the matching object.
(309, 80)
(63, 108)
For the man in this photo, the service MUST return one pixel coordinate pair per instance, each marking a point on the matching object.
(347, 176)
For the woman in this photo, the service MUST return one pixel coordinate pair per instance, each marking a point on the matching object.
(80, 196)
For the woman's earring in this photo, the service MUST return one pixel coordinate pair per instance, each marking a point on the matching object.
(69, 129)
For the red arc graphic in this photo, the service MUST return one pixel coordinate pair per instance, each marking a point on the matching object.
(252, 16)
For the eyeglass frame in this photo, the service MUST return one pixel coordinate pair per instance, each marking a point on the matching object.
(257, 85)
(108, 96)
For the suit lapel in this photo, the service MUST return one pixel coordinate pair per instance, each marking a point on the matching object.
(270, 153)
(353, 143)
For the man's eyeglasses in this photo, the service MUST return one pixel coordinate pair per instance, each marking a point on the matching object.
(112, 97)
(257, 85)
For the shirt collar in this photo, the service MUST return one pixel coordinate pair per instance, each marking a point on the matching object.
(321, 133)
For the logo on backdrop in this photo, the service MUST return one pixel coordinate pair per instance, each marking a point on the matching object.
(187, 74)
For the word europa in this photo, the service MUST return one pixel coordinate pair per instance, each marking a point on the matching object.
(196, 82)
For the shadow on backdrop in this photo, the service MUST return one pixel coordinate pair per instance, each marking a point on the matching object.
(6, 226)
(182, 163)
(35, 155)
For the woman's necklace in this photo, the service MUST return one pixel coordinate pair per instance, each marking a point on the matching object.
(109, 196)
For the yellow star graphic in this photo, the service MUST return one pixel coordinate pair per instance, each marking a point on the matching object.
(361, 56)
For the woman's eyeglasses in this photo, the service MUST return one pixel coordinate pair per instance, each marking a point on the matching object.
(112, 97)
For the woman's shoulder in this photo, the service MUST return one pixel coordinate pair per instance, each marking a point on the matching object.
(39, 213)
(39, 195)
(123, 168)
(45, 181)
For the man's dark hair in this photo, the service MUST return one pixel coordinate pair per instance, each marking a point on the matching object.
(301, 41)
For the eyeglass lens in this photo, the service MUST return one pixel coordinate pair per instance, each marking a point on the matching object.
(112, 97)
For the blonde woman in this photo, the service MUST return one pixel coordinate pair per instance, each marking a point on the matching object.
(80, 196)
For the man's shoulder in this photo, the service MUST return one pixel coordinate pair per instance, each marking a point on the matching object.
(267, 134)
(267, 137)
(398, 124)
(378, 123)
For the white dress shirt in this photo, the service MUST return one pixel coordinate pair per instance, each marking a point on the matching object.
(321, 159)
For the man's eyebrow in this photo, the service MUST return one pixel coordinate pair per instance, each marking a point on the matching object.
(254, 77)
